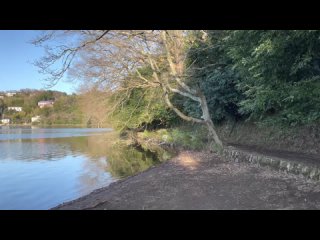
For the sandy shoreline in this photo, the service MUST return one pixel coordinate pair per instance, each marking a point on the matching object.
(202, 180)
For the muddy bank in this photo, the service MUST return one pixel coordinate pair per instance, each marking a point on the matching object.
(203, 180)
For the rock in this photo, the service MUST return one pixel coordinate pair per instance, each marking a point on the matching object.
(313, 174)
(299, 168)
(264, 161)
(275, 163)
(290, 167)
(254, 159)
(294, 168)
(283, 165)
(305, 171)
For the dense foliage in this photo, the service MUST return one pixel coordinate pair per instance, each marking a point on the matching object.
(270, 76)
(279, 74)
(212, 70)
(267, 76)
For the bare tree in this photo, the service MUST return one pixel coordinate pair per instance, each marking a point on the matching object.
(93, 103)
(107, 58)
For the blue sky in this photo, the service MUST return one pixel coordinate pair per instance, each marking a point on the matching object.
(16, 57)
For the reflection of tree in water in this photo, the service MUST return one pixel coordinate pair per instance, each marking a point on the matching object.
(87, 162)
(105, 154)
(110, 159)
(29, 150)
(91, 146)
(124, 161)
(118, 158)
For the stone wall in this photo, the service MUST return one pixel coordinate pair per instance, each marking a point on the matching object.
(309, 171)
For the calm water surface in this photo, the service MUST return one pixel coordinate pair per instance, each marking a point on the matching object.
(41, 168)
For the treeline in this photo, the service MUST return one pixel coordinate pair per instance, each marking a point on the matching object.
(269, 77)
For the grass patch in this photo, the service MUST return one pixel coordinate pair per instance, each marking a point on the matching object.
(186, 137)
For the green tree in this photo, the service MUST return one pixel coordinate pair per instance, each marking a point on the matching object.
(2, 107)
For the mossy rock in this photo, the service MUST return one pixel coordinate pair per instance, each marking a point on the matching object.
(283, 165)
(275, 163)
(306, 171)
(296, 169)
(290, 167)
(166, 156)
(314, 173)
(254, 159)
(299, 168)
(264, 161)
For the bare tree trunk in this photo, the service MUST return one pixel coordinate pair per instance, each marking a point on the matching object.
(207, 120)
(174, 45)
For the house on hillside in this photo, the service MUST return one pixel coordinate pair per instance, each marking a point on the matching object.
(10, 94)
(1, 97)
(5, 121)
(43, 104)
(17, 109)
(35, 119)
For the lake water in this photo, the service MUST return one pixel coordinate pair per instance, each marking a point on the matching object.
(43, 167)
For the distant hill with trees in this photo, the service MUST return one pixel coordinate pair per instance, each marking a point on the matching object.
(64, 111)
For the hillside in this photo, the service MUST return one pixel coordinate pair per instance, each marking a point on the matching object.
(21, 106)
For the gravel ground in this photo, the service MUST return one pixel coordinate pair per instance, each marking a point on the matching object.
(202, 180)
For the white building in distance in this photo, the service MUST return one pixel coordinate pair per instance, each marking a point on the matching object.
(10, 94)
(35, 119)
(43, 104)
(5, 121)
(17, 109)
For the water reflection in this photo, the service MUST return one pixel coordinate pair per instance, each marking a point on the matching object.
(40, 173)
(124, 161)
(16, 133)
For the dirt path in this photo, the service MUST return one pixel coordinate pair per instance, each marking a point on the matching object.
(200, 180)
